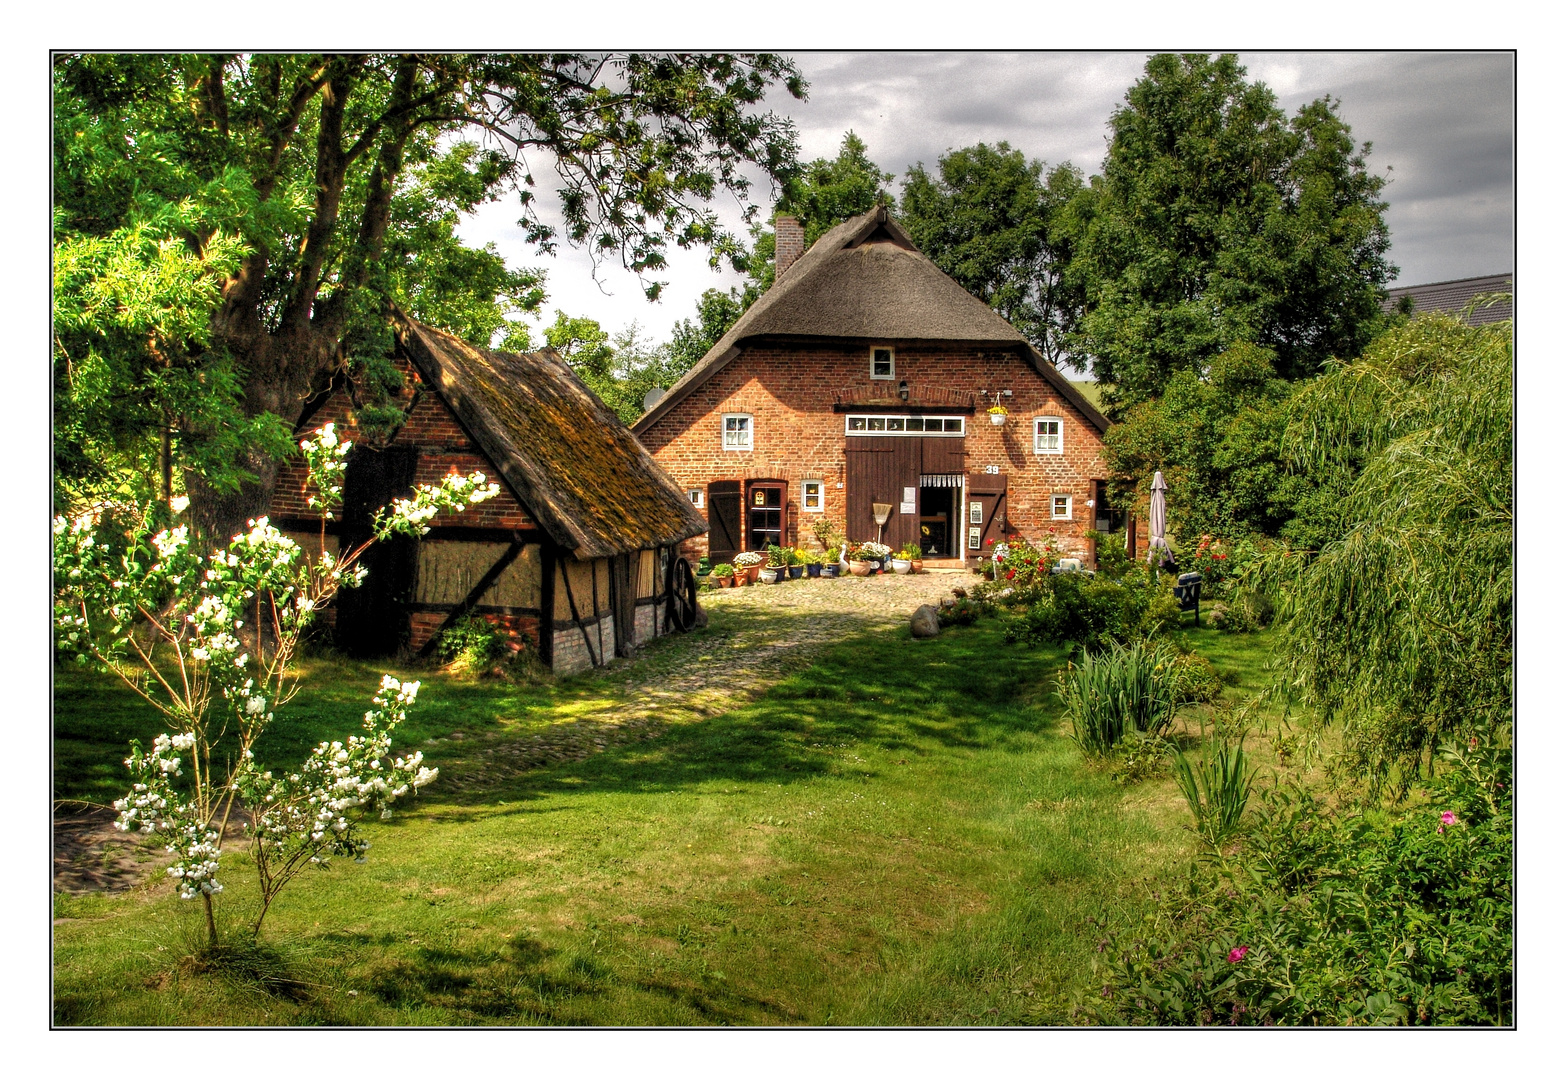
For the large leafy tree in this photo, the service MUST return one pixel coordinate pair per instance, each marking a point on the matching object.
(230, 230)
(1218, 220)
(996, 223)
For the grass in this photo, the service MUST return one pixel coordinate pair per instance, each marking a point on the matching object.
(899, 833)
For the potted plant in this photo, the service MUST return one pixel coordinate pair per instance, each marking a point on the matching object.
(859, 565)
(795, 560)
(902, 562)
(811, 561)
(723, 574)
(876, 553)
(777, 562)
(830, 565)
(746, 565)
(997, 414)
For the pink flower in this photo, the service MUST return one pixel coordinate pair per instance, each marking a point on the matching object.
(1236, 955)
(1448, 818)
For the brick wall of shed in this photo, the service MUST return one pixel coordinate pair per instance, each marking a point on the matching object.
(790, 389)
(443, 449)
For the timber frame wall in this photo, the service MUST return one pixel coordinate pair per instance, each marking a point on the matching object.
(492, 560)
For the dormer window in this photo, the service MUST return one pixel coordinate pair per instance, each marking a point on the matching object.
(883, 365)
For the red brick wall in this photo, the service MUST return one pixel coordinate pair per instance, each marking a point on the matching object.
(790, 388)
(443, 450)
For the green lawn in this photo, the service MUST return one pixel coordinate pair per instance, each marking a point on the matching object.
(901, 833)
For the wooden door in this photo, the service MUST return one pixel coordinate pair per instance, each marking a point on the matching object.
(766, 514)
(372, 620)
(884, 470)
(984, 513)
(724, 538)
(622, 600)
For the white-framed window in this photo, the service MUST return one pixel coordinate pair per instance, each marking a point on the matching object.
(883, 363)
(811, 497)
(1046, 435)
(905, 425)
(697, 496)
(1060, 507)
(737, 431)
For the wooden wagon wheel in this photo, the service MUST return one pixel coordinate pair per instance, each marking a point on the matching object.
(682, 596)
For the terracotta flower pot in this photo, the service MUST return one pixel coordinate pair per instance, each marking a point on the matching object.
(918, 566)
(860, 567)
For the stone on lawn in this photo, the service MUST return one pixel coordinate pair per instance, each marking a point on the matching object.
(925, 624)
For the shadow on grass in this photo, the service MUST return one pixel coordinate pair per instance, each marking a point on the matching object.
(530, 982)
(963, 691)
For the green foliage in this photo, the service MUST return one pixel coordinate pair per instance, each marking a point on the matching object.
(472, 643)
(1116, 691)
(964, 611)
(1098, 611)
(1217, 437)
(993, 220)
(1219, 221)
(262, 212)
(723, 569)
(1322, 919)
(1139, 756)
(618, 371)
(1402, 629)
(1217, 789)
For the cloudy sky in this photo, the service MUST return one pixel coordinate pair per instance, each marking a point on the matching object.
(1442, 121)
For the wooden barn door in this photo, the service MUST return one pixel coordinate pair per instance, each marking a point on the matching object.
(884, 470)
(372, 620)
(723, 520)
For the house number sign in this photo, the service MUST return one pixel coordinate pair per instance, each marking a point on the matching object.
(992, 470)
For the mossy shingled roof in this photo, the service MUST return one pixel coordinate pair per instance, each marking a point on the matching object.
(565, 456)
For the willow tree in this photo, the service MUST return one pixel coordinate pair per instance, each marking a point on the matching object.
(230, 230)
(1402, 629)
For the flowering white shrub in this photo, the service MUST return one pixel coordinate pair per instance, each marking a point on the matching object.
(874, 550)
(210, 643)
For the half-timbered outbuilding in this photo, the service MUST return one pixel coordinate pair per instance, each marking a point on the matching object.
(866, 376)
(576, 554)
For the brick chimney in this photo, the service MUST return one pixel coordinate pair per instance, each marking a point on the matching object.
(790, 243)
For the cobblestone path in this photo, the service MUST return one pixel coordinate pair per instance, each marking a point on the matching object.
(766, 631)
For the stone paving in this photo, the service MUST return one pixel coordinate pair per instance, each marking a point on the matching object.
(767, 631)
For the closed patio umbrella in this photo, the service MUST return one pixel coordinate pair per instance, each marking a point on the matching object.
(1157, 516)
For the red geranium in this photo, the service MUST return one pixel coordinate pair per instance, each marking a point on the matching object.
(1010, 574)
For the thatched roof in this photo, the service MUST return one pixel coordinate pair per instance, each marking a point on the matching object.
(865, 279)
(564, 455)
